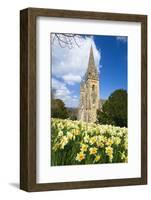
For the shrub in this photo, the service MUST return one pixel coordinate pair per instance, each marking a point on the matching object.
(58, 109)
(114, 110)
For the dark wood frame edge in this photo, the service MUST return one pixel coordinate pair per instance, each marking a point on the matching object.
(28, 98)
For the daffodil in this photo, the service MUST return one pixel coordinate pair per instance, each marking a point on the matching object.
(123, 156)
(99, 141)
(117, 140)
(92, 140)
(97, 158)
(69, 135)
(60, 133)
(93, 150)
(86, 138)
(76, 132)
(63, 142)
(80, 156)
(109, 142)
(84, 147)
(109, 152)
(126, 143)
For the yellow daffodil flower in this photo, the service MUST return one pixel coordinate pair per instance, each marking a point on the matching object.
(93, 150)
(80, 156)
(84, 147)
(97, 158)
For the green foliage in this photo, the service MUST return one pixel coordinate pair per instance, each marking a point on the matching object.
(58, 109)
(73, 113)
(114, 110)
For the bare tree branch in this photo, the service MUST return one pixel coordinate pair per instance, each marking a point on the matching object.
(68, 40)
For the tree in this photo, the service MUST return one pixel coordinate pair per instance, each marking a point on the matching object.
(73, 112)
(68, 40)
(58, 109)
(114, 110)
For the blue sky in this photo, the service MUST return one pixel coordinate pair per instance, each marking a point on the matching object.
(113, 74)
(70, 65)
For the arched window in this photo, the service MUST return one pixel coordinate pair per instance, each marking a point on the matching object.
(93, 87)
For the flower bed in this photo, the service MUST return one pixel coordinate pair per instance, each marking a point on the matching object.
(75, 142)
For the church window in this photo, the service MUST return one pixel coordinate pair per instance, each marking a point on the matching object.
(93, 87)
(93, 94)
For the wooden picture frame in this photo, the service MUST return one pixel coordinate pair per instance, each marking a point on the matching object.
(28, 98)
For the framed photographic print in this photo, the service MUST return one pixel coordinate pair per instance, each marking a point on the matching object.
(83, 99)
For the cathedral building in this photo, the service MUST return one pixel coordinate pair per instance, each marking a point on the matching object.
(89, 92)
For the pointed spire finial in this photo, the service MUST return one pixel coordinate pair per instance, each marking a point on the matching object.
(91, 52)
(92, 70)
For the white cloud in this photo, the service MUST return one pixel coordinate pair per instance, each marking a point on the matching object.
(71, 79)
(122, 38)
(60, 89)
(71, 64)
(63, 93)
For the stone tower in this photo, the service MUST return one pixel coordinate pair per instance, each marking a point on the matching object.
(89, 92)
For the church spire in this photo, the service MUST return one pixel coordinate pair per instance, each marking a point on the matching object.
(92, 70)
(91, 57)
